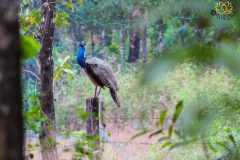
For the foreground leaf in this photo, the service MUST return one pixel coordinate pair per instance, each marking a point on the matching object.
(178, 110)
(30, 47)
(139, 134)
(156, 133)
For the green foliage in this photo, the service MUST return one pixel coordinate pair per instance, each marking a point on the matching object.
(177, 112)
(139, 134)
(63, 67)
(114, 48)
(156, 133)
(85, 145)
(30, 47)
(163, 116)
(192, 69)
(61, 19)
(166, 144)
(30, 21)
(32, 116)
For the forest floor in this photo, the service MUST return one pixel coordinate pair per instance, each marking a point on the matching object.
(119, 148)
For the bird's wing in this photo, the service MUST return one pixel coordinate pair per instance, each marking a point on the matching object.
(102, 72)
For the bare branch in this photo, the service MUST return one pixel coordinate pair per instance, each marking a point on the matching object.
(32, 73)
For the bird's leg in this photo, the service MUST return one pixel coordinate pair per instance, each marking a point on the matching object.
(99, 92)
(95, 95)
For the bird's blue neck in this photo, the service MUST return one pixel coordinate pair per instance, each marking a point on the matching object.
(80, 57)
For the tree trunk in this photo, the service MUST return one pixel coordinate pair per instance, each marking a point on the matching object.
(144, 44)
(11, 122)
(102, 38)
(123, 47)
(184, 31)
(48, 126)
(108, 36)
(160, 36)
(92, 40)
(93, 105)
(134, 46)
(198, 32)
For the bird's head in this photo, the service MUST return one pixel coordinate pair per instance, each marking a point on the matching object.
(82, 44)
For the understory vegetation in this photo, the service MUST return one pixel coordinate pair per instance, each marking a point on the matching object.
(187, 82)
(177, 68)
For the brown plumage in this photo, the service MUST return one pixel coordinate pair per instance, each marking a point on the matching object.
(101, 75)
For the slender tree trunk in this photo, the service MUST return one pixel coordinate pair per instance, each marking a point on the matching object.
(144, 44)
(102, 38)
(11, 122)
(92, 41)
(184, 30)
(134, 45)
(108, 36)
(48, 126)
(123, 47)
(160, 36)
(198, 32)
(74, 46)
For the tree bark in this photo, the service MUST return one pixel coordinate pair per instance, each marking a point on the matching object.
(198, 32)
(108, 36)
(48, 126)
(92, 41)
(102, 38)
(144, 44)
(184, 30)
(160, 36)
(11, 122)
(92, 107)
(134, 46)
(123, 47)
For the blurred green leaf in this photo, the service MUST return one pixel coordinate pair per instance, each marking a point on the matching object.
(166, 144)
(156, 133)
(163, 138)
(232, 139)
(61, 19)
(51, 141)
(63, 66)
(221, 144)
(84, 115)
(211, 147)
(178, 111)
(90, 138)
(163, 116)
(30, 47)
(139, 134)
(69, 5)
(170, 130)
(221, 55)
(175, 145)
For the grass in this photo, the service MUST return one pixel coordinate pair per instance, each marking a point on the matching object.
(186, 82)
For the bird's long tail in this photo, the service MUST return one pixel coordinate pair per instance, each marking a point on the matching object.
(115, 97)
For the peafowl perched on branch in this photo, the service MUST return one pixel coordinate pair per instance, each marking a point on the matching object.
(99, 72)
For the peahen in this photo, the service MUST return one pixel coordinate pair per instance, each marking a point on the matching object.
(99, 72)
